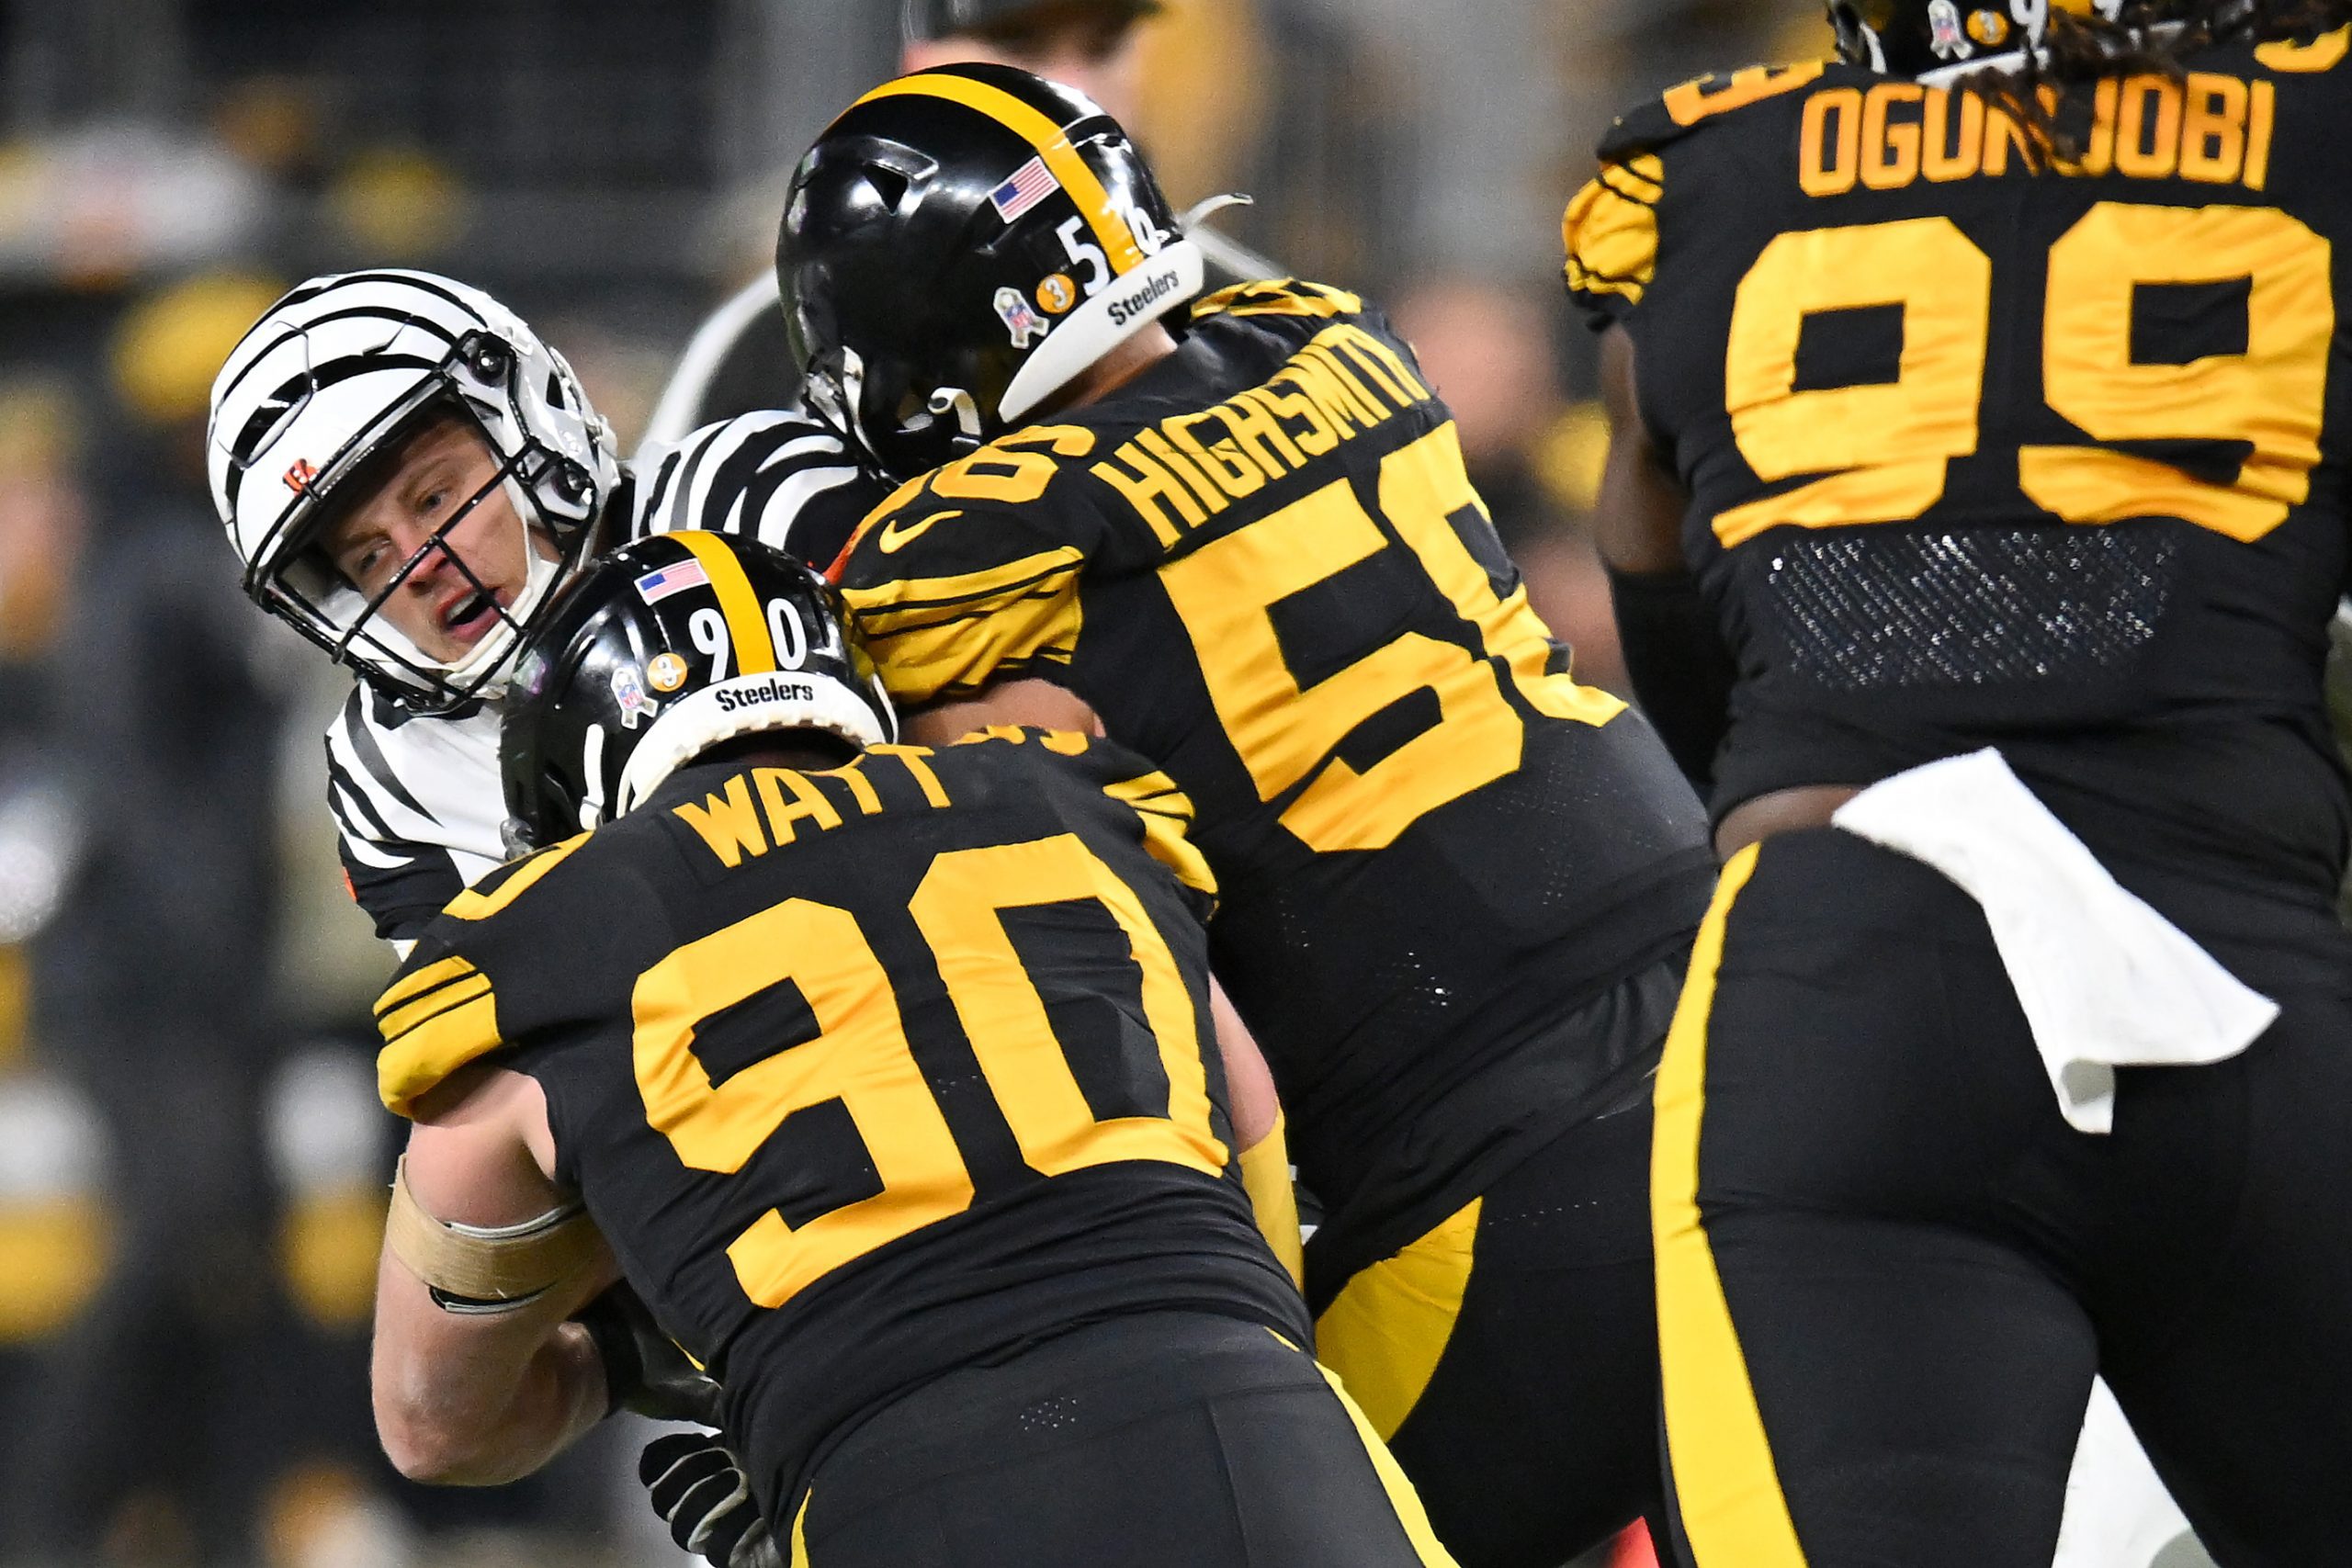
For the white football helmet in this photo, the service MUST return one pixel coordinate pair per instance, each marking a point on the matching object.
(346, 368)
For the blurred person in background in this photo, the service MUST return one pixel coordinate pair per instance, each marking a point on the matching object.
(53, 1219)
(1458, 886)
(1488, 350)
(154, 1415)
(739, 360)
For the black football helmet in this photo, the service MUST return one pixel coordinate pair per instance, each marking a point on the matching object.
(659, 651)
(957, 247)
(1917, 37)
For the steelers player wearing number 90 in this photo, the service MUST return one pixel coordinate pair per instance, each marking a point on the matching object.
(1980, 434)
(888, 1076)
(1236, 535)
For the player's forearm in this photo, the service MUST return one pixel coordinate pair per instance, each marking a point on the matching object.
(469, 1399)
(465, 1425)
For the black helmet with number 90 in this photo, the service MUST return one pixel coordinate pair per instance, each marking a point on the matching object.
(661, 651)
(961, 245)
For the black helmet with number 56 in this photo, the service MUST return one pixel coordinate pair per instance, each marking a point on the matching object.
(960, 245)
(661, 651)
(1921, 38)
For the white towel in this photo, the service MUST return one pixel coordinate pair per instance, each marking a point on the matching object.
(2104, 980)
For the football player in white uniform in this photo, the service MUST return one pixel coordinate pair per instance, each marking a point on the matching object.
(407, 473)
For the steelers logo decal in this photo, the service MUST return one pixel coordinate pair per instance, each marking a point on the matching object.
(666, 672)
(1057, 294)
(1989, 28)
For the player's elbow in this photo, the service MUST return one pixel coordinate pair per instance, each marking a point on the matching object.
(431, 1443)
(417, 1449)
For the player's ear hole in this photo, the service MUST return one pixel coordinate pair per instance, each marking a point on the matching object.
(888, 184)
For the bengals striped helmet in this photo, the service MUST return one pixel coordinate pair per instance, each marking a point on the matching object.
(323, 394)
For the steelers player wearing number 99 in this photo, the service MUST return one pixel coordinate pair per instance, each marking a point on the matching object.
(1980, 434)
(888, 1076)
(1458, 887)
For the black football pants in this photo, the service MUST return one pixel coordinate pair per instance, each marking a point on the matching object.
(1158, 1440)
(1888, 1268)
(1510, 1355)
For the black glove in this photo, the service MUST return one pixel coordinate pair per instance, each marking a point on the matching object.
(644, 1368)
(704, 1496)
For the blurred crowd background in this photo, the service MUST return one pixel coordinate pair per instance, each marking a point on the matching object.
(192, 1161)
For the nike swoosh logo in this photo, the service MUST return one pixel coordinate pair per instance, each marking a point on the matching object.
(897, 533)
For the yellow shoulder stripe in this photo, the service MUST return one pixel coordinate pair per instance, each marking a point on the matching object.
(420, 1057)
(1279, 297)
(936, 635)
(407, 987)
(1611, 230)
(396, 1021)
(1166, 813)
(475, 904)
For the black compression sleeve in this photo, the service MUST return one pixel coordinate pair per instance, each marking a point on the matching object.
(1682, 670)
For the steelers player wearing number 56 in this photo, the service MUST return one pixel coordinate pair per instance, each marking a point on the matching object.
(1234, 535)
(888, 1076)
(1980, 438)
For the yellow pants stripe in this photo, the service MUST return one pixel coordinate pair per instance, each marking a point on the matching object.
(1401, 1495)
(800, 1531)
(1724, 1480)
(1385, 1332)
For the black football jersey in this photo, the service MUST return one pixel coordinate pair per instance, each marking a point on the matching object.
(1982, 456)
(1261, 564)
(868, 1073)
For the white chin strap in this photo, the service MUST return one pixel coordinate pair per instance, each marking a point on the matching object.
(746, 704)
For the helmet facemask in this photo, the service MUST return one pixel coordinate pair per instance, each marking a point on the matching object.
(316, 411)
(551, 498)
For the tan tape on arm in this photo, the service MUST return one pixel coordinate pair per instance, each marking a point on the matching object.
(1265, 1176)
(481, 1263)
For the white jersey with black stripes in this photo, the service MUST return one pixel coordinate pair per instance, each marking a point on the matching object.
(416, 800)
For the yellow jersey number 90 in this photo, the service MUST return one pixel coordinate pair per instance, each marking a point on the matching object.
(862, 1059)
(1884, 450)
(1225, 592)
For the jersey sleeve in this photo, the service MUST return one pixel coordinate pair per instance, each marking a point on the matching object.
(1611, 237)
(952, 593)
(439, 1015)
(778, 476)
(442, 1010)
(1611, 230)
(1166, 814)
(386, 834)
